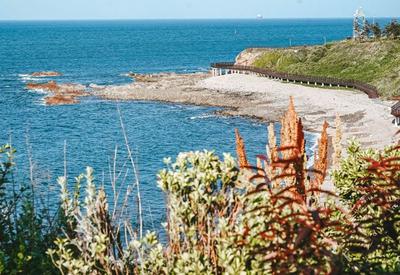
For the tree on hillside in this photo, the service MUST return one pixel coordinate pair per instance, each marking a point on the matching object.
(356, 28)
(366, 31)
(392, 30)
(376, 31)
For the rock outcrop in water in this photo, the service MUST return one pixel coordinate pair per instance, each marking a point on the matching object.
(59, 99)
(46, 74)
(59, 94)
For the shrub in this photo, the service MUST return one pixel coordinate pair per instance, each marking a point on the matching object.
(368, 184)
(392, 30)
(202, 196)
(94, 242)
(351, 170)
(25, 233)
(218, 222)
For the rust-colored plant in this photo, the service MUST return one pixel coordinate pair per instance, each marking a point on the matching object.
(321, 160)
(286, 226)
(337, 143)
(286, 165)
(283, 234)
(241, 150)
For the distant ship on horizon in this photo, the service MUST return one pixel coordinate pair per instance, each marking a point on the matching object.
(259, 16)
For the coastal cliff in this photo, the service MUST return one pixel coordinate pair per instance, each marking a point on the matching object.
(373, 62)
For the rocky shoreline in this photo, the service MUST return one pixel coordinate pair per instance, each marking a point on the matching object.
(243, 95)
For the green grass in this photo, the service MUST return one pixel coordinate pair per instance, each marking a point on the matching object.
(373, 62)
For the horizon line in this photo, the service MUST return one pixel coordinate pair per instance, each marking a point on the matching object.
(182, 19)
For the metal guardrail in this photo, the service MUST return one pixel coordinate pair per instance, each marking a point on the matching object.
(370, 90)
(396, 109)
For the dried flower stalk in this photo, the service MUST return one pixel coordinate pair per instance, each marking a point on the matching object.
(321, 159)
(286, 165)
(241, 150)
(337, 144)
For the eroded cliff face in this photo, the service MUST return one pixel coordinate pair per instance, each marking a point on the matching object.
(248, 56)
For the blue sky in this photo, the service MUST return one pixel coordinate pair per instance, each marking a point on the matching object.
(183, 9)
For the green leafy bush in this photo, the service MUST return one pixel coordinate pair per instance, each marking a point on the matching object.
(93, 241)
(368, 184)
(352, 169)
(221, 222)
(25, 234)
(218, 222)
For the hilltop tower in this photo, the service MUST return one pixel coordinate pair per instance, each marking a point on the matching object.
(359, 25)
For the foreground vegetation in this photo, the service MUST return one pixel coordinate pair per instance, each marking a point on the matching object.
(375, 62)
(223, 216)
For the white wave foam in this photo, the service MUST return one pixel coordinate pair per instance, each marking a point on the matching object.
(203, 69)
(40, 102)
(314, 139)
(39, 91)
(202, 117)
(28, 77)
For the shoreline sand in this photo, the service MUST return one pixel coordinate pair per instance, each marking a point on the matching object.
(244, 95)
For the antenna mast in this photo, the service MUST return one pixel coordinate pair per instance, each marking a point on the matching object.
(359, 24)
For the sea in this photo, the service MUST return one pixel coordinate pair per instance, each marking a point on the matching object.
(52, 139)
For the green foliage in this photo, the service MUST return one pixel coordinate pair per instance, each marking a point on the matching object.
(367, 182)
(88, 248)
(376, 31)
(220, 222)
(392, 30)
(92, 243)
(375, 62)
(202, 194)
(352, 169)
(24, 234)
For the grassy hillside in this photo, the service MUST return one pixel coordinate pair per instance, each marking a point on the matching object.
(376, 63)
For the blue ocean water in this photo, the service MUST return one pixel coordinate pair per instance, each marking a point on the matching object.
(99, 52)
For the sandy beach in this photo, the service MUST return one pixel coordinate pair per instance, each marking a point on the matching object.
(367, 120)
